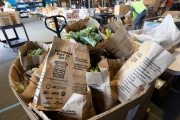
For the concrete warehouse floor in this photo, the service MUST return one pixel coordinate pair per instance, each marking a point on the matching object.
(10, 109)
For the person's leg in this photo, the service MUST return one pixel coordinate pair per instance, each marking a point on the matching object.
(143, 15)
(135, 23)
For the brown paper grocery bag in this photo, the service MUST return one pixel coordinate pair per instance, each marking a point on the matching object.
(29, 92)
(79, 25)
(120, 44)
(99, 83)
(113, 26)
(78, 107)
(112, 65)
(29, 62)
(64, 73)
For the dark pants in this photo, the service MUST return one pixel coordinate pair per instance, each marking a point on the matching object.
(138, 20)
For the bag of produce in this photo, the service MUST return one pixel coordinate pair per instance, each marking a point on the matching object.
(64, 73)
(166, 34)
(112, 26)
(29, 92)
(118, 42)
(86, 32)
(78, 107)
(31, 54)
(140, 70)
(99, 79)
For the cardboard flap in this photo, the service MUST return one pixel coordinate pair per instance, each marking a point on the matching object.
(91, 21)
(173, 13)
(113, 26)
(79, 25)
(15, 17)
(5, 19)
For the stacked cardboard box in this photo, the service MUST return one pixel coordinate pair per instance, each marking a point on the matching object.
(64, 3)
(101, 10)
(154, 3)
(123, 10)
(9, 18)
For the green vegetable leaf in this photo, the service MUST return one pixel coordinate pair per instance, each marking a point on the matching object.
(108, 33)
(38, 51)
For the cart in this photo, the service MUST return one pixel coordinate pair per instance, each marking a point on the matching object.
(135, 108)
(59, 26)
(13, 42)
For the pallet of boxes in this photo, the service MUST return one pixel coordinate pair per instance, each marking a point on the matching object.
(9, 18)
(153, 7)
(88, 74)
(121, 10)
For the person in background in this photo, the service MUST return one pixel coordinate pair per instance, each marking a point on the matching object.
(7, 4)
(168, 4)
(139, 11)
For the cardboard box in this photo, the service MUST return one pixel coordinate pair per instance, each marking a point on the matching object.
(126, 8)
(149, 2)
(5, 19)
(135, 108)
(15, 17)
(175, 14)
(45, 10)
(50, 10)
(111, 10)
(64, 3)
(160, 93)
(52, 25)
(163, 5)
(154, 3)
(128, 20)
(101, 10)
(119, 10)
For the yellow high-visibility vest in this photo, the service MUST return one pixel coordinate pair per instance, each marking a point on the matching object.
(9, 5)
(138, 7)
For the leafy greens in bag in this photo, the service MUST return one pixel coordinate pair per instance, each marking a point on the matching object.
(99, 83)
(87, 36)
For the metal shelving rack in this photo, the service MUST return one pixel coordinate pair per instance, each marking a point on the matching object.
(25, 7)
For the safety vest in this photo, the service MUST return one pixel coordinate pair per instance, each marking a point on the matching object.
(9, 5)
(138, 7)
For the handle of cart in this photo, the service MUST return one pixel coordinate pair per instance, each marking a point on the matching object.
(58, 27)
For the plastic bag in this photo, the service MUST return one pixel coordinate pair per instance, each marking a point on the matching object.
(166, 34)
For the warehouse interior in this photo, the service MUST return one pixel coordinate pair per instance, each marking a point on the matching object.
(164, 103)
